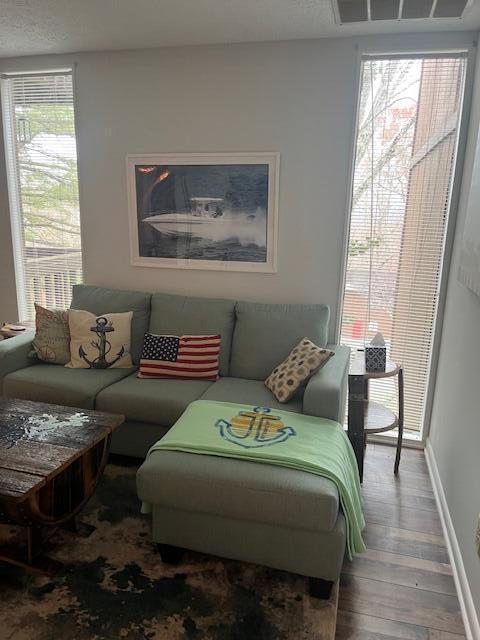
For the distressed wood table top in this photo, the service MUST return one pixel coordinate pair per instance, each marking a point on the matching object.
(38, 441)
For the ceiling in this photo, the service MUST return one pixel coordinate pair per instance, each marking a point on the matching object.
(62, 26)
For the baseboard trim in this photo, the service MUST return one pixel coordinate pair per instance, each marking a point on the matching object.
(469, 614)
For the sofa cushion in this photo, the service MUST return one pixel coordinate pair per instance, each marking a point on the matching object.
(99, 300)
(265, 334)
(59, 385)
(178, 315)
(238, 489)
(252, 392)
(159, 401)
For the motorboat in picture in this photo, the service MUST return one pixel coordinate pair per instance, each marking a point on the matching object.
(206, 220)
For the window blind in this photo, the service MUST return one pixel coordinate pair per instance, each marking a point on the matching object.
(407, 134)
(39, 126)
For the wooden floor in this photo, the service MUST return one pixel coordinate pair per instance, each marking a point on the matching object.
(402, 588)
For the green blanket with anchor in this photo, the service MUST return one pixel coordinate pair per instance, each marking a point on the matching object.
(271, 436)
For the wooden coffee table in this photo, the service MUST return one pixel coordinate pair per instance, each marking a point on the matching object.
(51, 458)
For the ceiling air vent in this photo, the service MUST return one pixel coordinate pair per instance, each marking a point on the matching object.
(348, 11)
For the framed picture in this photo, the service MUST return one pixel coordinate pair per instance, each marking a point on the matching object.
(204, 211)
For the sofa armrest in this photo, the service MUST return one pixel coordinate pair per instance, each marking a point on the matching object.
(14, 354)
(326, 392)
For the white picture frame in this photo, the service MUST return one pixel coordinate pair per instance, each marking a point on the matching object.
(231, 224)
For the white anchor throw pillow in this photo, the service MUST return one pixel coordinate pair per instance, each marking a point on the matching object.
(99, 342)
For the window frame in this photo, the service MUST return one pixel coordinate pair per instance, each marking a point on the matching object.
(365, 52)
(11, 69)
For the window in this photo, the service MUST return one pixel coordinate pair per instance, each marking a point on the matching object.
(39, 126)
(407, 134)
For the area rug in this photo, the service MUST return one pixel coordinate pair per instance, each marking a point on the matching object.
(114, 585)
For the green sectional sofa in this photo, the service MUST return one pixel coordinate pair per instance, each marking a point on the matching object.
(255, 338)
(282, 518)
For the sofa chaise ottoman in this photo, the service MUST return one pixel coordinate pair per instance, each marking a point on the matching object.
(274, 516)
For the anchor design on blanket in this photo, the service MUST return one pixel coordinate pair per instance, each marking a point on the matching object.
(255, 428)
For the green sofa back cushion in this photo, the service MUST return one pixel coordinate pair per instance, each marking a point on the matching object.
(266, 333)
(179, 315)
(99, 300)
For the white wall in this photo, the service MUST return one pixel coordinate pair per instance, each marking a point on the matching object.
(297, 98)
(455, 427)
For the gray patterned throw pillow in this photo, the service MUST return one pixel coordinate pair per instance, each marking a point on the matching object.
(302, 362)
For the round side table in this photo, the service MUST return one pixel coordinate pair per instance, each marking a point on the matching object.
(367, 417)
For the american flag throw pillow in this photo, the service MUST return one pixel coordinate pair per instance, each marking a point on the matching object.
(180, 357)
